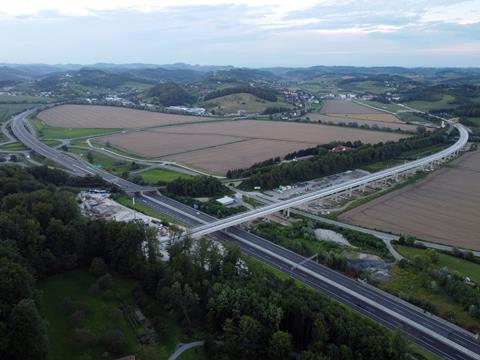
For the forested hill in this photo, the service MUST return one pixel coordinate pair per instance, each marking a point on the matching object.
(257, 315)
(262, 93)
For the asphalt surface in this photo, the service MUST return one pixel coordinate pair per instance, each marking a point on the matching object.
(434, 324)
(335, 189)
(25, 134)
(435, 334)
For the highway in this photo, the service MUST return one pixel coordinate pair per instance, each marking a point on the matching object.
(25, 134)
(202, 230)
(433, 333)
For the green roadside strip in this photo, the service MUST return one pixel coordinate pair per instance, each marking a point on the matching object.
(126, 201)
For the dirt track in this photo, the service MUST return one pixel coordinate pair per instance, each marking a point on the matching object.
(442, 208)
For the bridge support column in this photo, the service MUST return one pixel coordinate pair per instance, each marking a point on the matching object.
(286, 212)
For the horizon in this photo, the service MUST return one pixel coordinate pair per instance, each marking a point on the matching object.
(132, 64)
(243, 33)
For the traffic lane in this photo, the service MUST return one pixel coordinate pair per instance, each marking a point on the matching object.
(413, 313)
(378, 296)
(365, 309)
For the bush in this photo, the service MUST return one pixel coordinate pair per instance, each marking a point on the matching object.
(104, 282)
(114, 341)
(98, 267)
(83, 337)
(77, 319)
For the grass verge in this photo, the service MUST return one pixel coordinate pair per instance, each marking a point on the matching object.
(125, 201)
(159, 175)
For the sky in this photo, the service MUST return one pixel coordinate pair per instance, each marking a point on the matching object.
(250, 33)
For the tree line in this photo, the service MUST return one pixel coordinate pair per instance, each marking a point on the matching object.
(256, 314)
(328, 163)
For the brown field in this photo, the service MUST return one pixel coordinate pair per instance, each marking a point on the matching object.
(92, 116)
(220, 146)
(442, 208)
(388, 118)
(347, 107)
(153, 144)
(356, 118)
(218, 160)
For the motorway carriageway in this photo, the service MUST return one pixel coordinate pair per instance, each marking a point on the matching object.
(460, 344)
(435, 334)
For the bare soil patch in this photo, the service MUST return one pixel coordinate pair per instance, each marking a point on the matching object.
(94, 116)
(153, 144)
(442, 208)
(347, 107)
(336, 119)
(388, 118)
(220, 159)
(220, 146)
(286, 131)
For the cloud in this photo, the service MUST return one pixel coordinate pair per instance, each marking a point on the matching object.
(241, 32)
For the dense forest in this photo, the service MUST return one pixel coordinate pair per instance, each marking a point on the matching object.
(262, 93)
(255, 314)
(169, 94)
(199, 186)
(326, 163)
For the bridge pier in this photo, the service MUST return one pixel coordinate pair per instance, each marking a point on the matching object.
(286, 212)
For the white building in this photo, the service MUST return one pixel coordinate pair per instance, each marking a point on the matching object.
(226, 200)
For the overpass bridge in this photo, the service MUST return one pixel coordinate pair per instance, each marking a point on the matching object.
(391, 173)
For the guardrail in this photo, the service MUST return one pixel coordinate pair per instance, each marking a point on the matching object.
(349, 185)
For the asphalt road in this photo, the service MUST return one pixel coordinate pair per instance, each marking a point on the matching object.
(250, 243)
(25, 134)
(437, 335)
(335, 189)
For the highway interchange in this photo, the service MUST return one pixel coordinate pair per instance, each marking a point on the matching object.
(433, 333)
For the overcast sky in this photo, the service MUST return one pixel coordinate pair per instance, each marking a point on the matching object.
(253, 33)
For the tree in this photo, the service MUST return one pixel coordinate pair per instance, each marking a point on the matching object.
(27, 332)
(90, 156)
(399, 344)
(241, 339)
(98, 267)
(105, 282)
(16, 283)
(64, 147)
(280, 345)
(115, 341)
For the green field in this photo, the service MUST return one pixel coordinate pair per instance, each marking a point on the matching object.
(374, 87)
(162, 175)
(389, 107)
(464, 267)
(412, 117)
(407, 282)
(475, 120)
(25, 98)
(97, 309)
(101, 314)
(66, 133)
(13, 147)
(51, 142)
(442, 103)
(110, 164)
(8, 110)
